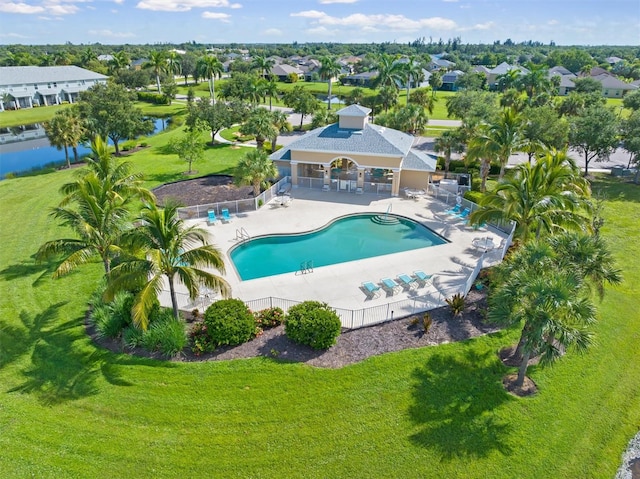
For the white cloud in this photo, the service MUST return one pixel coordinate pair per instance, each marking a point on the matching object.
(12, 35)
(379, 22)
(25, 8)
(478, 26)
(119, 2)
(552, 22)
(110, 34)
(223, 17)
(61, 9)
(273, 32)
(327, 2)
(184, 5)
(321, 31)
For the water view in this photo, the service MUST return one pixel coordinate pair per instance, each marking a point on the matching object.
(26, 147)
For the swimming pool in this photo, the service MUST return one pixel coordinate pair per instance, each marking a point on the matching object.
(347, 238)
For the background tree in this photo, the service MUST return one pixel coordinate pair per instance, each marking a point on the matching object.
(435, 81)
(214, 117)
(253, 169)
(174, 64)
(413, 74)
(260, 123)
(210, 67)
(166, 249)
(119, 61)
(587, 85)
(158, 63)
(424, 97)
(449, 142)
(188, 66)
(301, 101)
(188, 147)
(388, 97)
(66, 130)
(271, 90)
(281, 123)
(632, 100)
(355, 96)
(390, 72)
(594, 134)
(262, 64)
(630, 133)
(543, 128)
(329, 69)
(109, 112)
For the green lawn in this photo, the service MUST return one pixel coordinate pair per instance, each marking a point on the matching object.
(70, 409)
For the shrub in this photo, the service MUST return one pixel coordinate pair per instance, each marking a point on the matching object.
(426, 322)
(269, 318)
(111, 318)
(456, 304)
(200, 342)
(166, 335)
(313, 323)
(229, 321)
(155, 98)
(132, 337)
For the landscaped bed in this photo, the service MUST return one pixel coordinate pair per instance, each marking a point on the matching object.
(204, 190)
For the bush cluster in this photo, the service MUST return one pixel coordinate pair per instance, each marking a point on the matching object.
(313, 323)
(155, 98)
(227, 321)
(269, 318)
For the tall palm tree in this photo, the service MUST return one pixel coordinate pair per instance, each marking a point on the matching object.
(271, 90)
(329, 69)
(158, 63)
(263, 64)
(281, 124)
(210, 67)
(549, 301)
(119, 61)
(549, 197)
(535, 82)
(390, 72)
(98, 220)
(170, 250)
(449, 142)
(260, 124)
(413, 73)
(66, 130)
(87, 56)
(253, 169)
(173, 63)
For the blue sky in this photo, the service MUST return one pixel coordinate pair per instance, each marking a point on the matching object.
(567, 22)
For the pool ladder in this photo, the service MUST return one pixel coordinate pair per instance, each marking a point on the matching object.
(306, 267)
(241, 234)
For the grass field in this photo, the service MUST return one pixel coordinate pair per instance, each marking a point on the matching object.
(70, 409)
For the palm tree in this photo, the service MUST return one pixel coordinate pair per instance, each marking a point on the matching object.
(116, 176)
(65, 130)
(447, 143)
(262, 64)
(119, 61)
(535, 82)
(479, 148)
(549, 301)
(98, 221)
(173, 63)
(271, 90)
(253, 169)
(260, 124)
(390, 72)
(502, 138)
(210, 67)
(87, 56)
(281, 124)
(329, 69)
(157, 62)
(167, 250)
(413, 73)
(549, 196)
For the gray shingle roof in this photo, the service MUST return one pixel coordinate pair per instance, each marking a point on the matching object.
(373, 140)
(609, 81)
(417, 160)
(31, 74)
(354, 110)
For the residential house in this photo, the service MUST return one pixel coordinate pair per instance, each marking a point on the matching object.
(613, 60)
(439, 64)
(282, 72)
(450, 80)
(612, 87)
(566, 84)
(355, 156)
(503, 69)
(364, 79)
(28, 86)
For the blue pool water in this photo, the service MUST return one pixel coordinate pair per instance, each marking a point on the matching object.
(348, 238)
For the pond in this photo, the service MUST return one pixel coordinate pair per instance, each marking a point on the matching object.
(26, 147)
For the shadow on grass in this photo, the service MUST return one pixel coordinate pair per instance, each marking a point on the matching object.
(454, 400)
(61, 366)
(44, 270)
(616, 188)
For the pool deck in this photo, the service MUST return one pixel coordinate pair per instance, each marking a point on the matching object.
(340, 285)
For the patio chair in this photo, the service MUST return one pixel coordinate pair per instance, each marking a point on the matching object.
(372, 289)
(406, 281)
(390, 285)
(454, 211)
(422, 278)
(226, 217)
(464, 213)
(212, 219)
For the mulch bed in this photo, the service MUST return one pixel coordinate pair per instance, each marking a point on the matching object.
(202, 191)
(352, 346)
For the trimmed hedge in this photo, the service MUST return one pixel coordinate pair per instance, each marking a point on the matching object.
(155, 98)
(313, 323)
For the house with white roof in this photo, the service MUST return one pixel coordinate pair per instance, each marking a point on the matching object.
(503, 69)
(355, 156)
(28, 86)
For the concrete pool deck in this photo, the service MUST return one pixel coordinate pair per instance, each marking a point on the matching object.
(340, 285)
